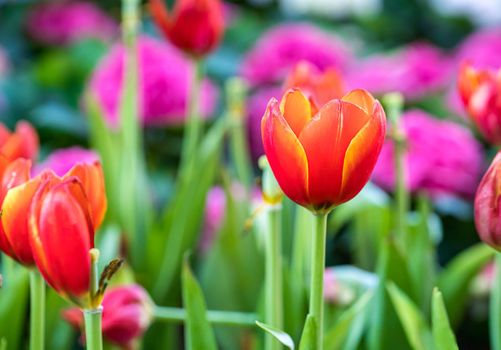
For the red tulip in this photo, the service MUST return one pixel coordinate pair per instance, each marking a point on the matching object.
(488, 205)
(480, 91)
(126, 315)
(194, 26)
(23, 143)
(322, 160)
(319, 87)
(64, 216)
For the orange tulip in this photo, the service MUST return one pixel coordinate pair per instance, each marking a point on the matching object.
(195, 26)
(322, 160)
(23, 143)
(319, 87)
(480, 91)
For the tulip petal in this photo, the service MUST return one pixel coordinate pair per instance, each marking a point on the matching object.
(160, 15)
(325, 140)
(285, 154)
(362, 154)
(66, 237)
(15, 209)
(296, 109)
(362, 99)
(92, 179)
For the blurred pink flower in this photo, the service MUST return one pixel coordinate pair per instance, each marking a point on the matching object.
(164, 75)
(280, 48)
(484, 281)
(442, 157)
(64, 22)
(335, 292)
(62, 160)
(127, 314)
(416, 70)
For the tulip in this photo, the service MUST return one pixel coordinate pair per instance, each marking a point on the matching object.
(322, 160)
(488, 205)
(480, 91)
(22, 143)
(319, 87)
(64, 215)
(127, 314)
(194, 26)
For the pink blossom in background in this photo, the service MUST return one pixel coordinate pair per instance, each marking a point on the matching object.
(62, 160)
(64, 22)
(127, 313)
(334, 291)
(256, 105)
(416, 70)
(164, 75)
(280, 48)
(442, 157)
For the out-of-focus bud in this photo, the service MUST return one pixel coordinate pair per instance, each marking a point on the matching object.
(272, 194)
(194, 26)
(127, 314)
(22, 143)
(488, 205)
(335, 292)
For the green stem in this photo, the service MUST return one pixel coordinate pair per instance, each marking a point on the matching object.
(37, 317)
(193, 131)
(273, 276)
(226, 318)
(93, 335)
(495, 308)
(317, 275)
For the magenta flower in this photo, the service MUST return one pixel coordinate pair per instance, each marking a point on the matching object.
(64, 22)
(417, 70)
(163, 84)
(442, 157)
(279, 49)
(127, 314)
(62, 160)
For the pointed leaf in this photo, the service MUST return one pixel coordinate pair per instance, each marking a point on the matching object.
(442, 333)
(308, 338)
(280, 335)
(198, 331)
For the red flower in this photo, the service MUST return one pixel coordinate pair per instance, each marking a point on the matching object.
(126, 315)
(194, 26)
(22, 143)
(64, 216)
(322, 160)
(480, 91)
(488, 205)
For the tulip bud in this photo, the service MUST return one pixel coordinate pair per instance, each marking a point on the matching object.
(480, 91)
(322, 160)
(488, 205)
(127, 314)
(195, 26)
(22, 143)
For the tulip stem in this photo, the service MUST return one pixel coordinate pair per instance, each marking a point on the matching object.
(317, 276)
(225, 318)
(495, 307)
(37, 317)
(193, 129)
(93, 335)
(273, 276)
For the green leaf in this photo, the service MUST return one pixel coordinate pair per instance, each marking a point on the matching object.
(457, 276)
(336, 336)
(308, 338)
(412, 319)
(280, 335)
(442, 333)
(198, 331)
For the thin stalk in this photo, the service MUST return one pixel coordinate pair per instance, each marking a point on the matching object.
(317, 275)
(273, 276)
(225, 318)
(495, 308)
(37, 317)
(93, 336)
(193, 131)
